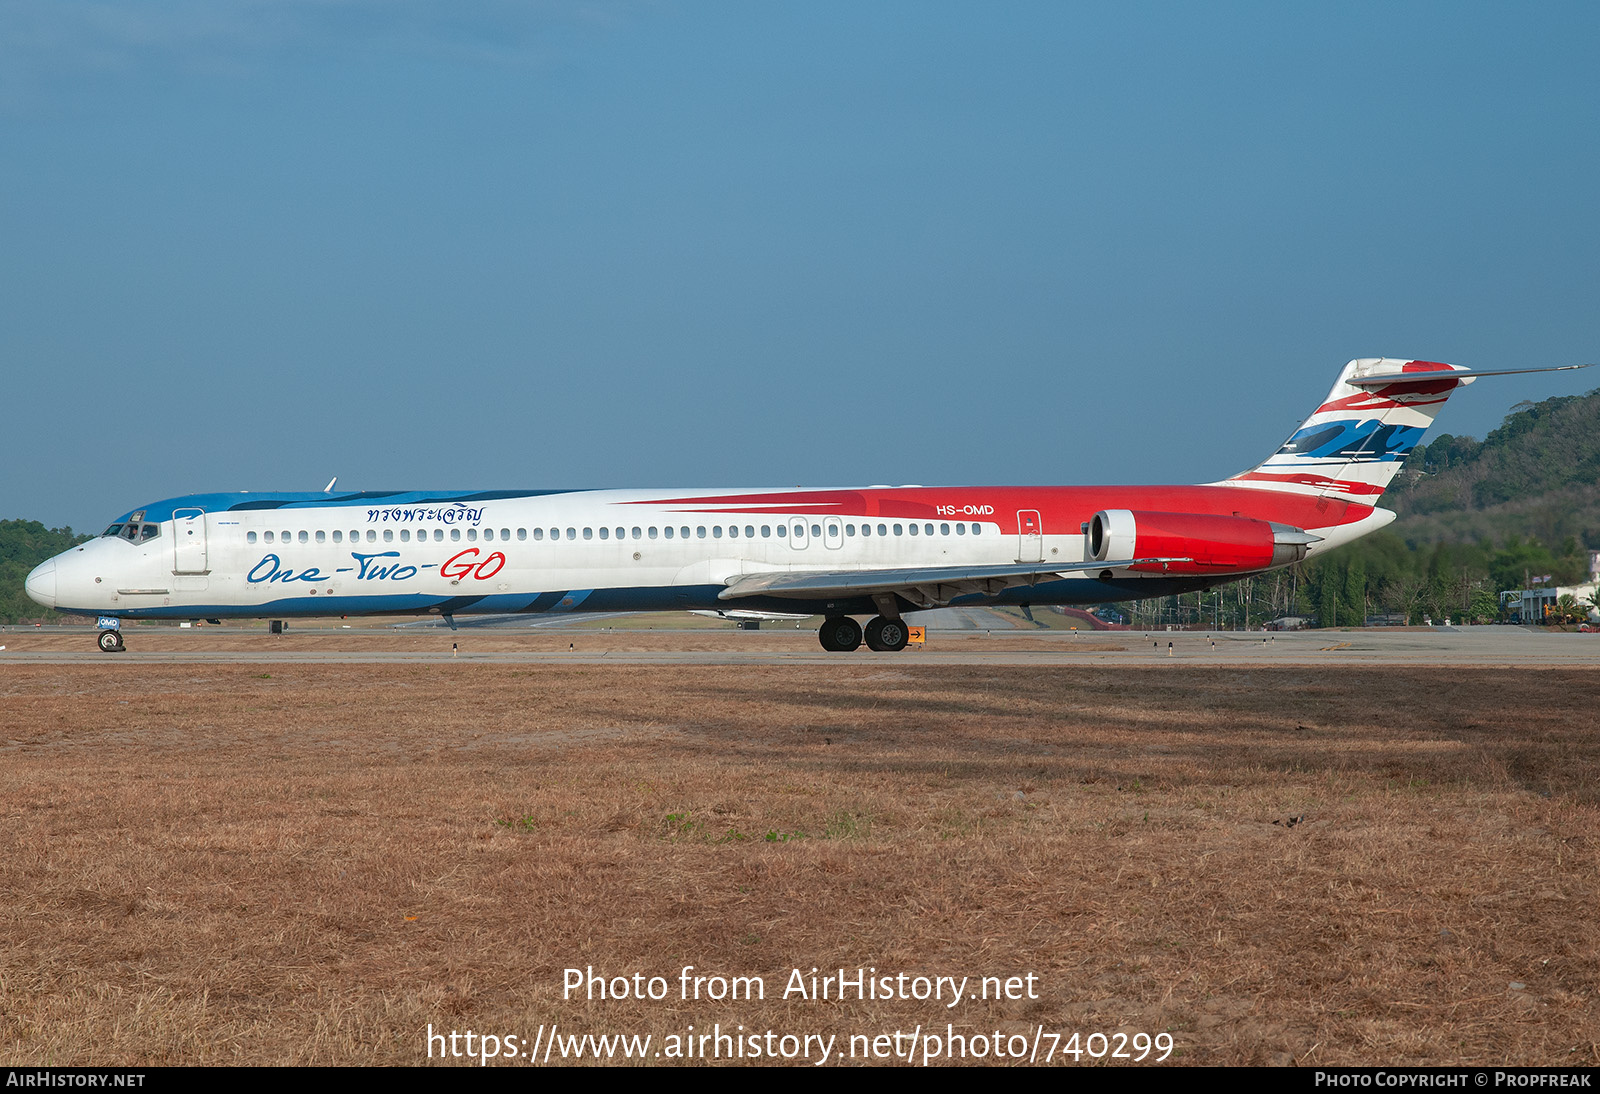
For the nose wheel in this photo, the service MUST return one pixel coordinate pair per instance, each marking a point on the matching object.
(111, 642)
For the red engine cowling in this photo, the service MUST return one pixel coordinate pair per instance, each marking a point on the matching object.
(1199, 543)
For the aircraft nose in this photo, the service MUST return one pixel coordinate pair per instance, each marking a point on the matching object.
(41, 583)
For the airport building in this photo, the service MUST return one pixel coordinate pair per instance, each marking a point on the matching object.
(1536, 605)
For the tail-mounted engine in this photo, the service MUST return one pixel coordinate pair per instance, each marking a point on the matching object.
(1194, 543)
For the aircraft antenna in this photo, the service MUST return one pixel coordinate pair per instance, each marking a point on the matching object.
(329, 488)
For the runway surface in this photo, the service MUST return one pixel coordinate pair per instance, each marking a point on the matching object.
(1478, 646)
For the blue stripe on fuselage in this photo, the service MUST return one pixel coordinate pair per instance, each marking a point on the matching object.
(246, 501)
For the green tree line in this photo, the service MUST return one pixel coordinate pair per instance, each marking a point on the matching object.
(23, 545)
(1384, 575)
(1378, 575)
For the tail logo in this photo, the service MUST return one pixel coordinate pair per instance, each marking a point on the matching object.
(1363, 442)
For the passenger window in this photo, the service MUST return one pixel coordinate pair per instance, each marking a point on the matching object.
(522, 533)
(283, 536)
(749, 531)
(267, 536)
(816, 531)
(622, 533)
(405, 535)
(975, 528)
(588, 533)
(249, 537)
(944, 529)
(638, 533)
(455, 534)
(928, 528)
(653, 531)
(783, 530)
(766, 531)
(700, 531)
(913, 529)
(388, 535)
(338, 536)
(716, 532)
(669, 531)
(897, 530)
(866, 529)
(961, 529)
(372, 536)
(850, 530)
(883, 530)
(505, 533)
(605, 533)
(472, 535)
(683, 532)
(538, 534)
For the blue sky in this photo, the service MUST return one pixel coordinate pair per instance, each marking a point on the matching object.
(252, 244)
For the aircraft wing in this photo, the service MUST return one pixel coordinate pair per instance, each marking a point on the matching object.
(926, 586)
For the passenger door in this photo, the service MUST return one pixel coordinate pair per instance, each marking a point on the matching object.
(189, 542)
(1030, 543)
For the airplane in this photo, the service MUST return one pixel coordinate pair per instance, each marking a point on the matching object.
(876, 551)
(748, 620)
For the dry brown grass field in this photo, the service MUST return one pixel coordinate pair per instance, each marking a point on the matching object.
(313, 863)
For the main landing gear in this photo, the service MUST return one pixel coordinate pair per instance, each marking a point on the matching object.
(111, 642)
(887, 635)
(841, 634)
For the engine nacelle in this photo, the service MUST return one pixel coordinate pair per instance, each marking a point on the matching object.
(1203, 543)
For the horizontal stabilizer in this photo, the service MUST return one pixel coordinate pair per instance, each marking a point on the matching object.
(1464, 376)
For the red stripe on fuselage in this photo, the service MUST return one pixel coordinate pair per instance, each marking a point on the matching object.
(1321, 482)
(1062, 509)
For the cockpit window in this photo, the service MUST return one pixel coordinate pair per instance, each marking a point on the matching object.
(134, 532)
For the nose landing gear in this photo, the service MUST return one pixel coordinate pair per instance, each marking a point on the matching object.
(111, 642)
